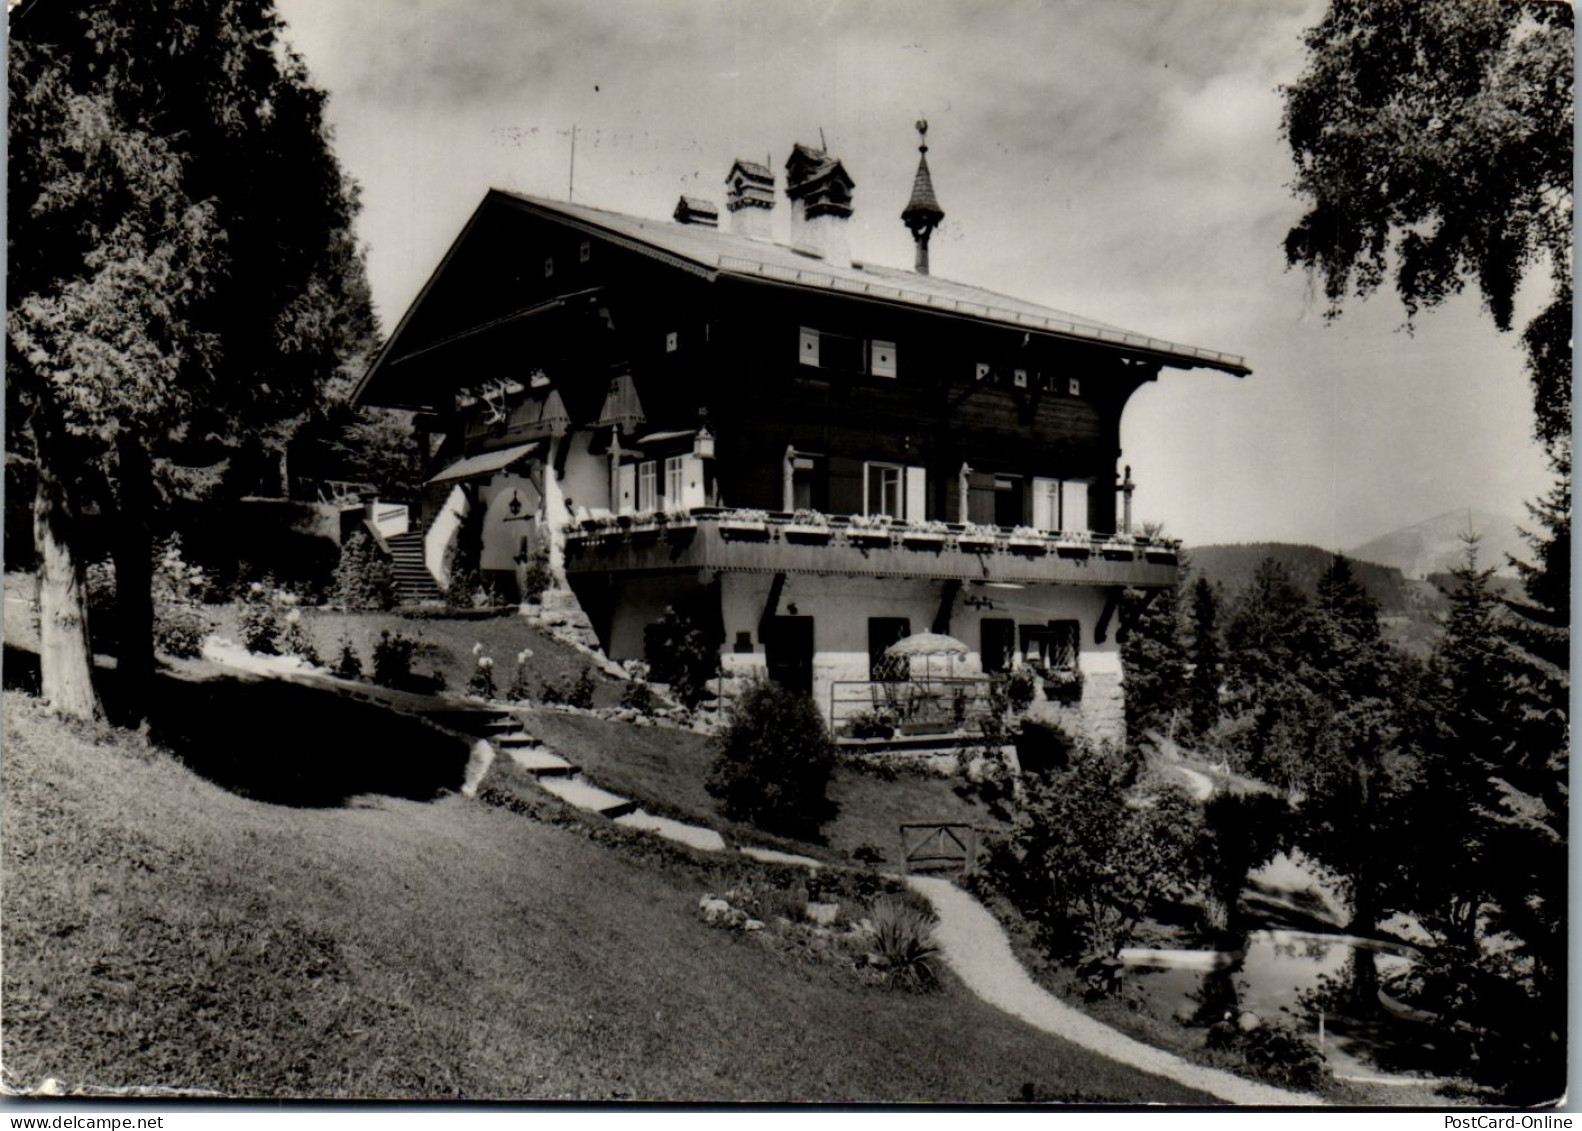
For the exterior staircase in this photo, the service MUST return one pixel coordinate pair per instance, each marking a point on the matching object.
(414, 584)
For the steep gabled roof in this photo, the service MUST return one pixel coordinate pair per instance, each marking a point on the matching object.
(711, 252)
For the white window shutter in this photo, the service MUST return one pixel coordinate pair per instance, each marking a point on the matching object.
(692, 482)
(916, 494)
(1046, 504)
(1074, 506)
(807, 348)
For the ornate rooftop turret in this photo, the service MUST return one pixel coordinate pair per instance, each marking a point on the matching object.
(922, 213)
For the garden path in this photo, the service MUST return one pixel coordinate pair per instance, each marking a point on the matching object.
(978, 951)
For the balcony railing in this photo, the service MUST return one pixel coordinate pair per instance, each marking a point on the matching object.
(805, 541)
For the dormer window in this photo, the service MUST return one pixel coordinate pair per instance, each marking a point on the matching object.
(549, 268)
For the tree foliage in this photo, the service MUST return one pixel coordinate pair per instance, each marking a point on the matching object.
(182, 279)
(1433, 144)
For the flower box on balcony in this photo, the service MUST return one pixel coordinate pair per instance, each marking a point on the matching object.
(1071, 549)
(1117, 552)
(1160, 556)
(806, 534)
(744, 528)
(1027, 542)
(977, 539)
(927, 539)
(869, 535)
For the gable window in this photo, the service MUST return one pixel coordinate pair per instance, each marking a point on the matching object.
(840, 353)
(1074, 386)
(981, 371)
(675, 479)
(585, 252)
(549, 268)
(647, 485)
(671, 340)
(1019, 378)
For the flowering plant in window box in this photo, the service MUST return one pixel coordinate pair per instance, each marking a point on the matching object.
(745, 522)
(928, 532)
(1026, 538)
(978, 534)
(807, 526)
(1116, 550)
(870, 528)
(677, 516)
(1070, 545)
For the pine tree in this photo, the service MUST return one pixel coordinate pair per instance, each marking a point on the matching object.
(1203, 685)
(1154, 660)
(182, 280)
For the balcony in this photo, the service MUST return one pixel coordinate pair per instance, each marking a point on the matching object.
(710, 538)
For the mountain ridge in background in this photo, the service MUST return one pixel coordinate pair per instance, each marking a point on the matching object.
(1437, 545)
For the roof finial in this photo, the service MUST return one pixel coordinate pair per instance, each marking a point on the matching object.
(922, 213)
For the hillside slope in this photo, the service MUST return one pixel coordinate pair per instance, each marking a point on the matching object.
(1233, 566)
(158, 929)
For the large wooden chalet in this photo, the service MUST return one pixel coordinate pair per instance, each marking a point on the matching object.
(816, 456)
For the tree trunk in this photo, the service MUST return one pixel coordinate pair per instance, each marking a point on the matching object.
(1364, 988)
(65, 656)
(134, 580)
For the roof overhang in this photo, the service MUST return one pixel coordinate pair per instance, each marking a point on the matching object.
(476, 467)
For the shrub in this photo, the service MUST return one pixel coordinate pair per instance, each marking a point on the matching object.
(1020, 688)
(773, 761)
(573, 692)
(364, 577)
(519, 690)
(348, 665)
(638, 696)
(537, 576)
(903, 945)
(681, 654)
(393, 659)
(179, 630)
(465, 590)
(259, 621)
(1273, 1052)
(296, 641)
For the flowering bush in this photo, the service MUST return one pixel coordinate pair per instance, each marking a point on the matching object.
(871, 522)
(482, 682)
(179, 630)
(805, 517)
(572, 693)
(393, 659)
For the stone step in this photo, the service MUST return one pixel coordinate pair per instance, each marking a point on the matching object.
(541, 762)
(582, 794)
(772, 856)
(515, 737)
(693, 836)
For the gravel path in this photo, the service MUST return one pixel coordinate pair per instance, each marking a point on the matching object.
(980, 954)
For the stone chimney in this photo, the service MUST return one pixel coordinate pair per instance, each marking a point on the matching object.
(750, 198)
(696, 210)
(820, 192)
(922, 213)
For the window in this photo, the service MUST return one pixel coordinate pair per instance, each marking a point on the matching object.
(585, 252)
(998, 643)
(549, 268)
(675, 479)
(882, 359)
(981, 372)
(1019, 378)
(670, 342)
(883, 632)
(1009, 506)
(1074, 387)
(647, 485)
(1051, 647)
(882, 490)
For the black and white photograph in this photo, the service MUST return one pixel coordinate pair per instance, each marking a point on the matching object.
(795, 552)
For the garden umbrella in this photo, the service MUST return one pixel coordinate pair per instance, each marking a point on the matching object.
(927, 645)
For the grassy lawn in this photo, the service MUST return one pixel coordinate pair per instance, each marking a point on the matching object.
(665, 770)
(157, 929)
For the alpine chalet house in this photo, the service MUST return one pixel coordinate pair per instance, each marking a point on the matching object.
(813, 457)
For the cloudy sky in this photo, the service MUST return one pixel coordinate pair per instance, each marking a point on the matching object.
(1116, 158)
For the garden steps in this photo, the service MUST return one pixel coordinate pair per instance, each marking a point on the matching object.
(540, 762)
(693, 836)
(585, 795)
(414, 583)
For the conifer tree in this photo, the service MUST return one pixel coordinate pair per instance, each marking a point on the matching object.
(182, 281)
(1204, 682)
